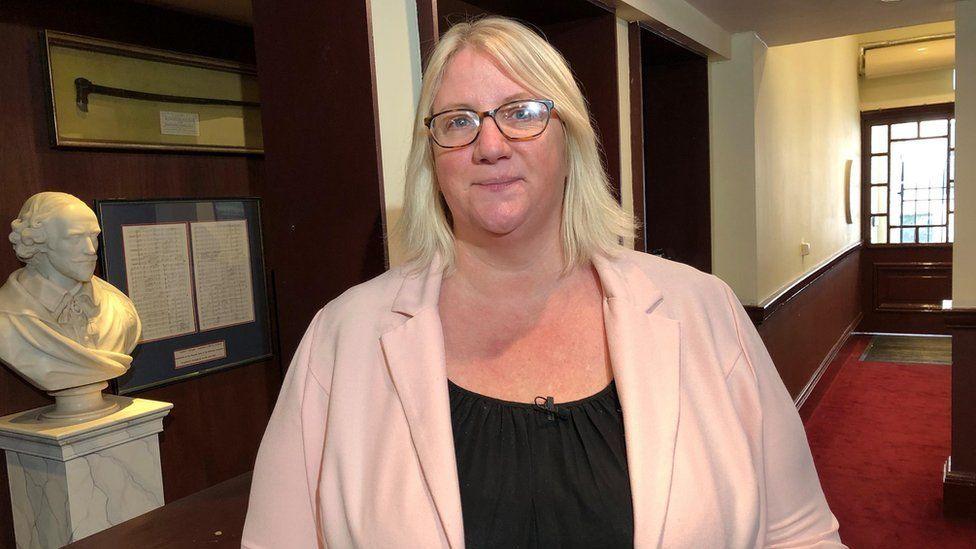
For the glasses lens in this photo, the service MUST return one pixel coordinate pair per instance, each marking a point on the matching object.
(523, 119)
(454, 128)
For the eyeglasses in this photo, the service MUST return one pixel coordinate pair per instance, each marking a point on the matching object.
(517, 121)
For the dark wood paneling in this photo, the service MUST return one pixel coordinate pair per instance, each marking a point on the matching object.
(911, 287)
(960, 482)
(427, 28)
(759, 313)
(804, 331)
(904, 287)
(676, 155)
(585, 33)
(209, 435)
(324, 195)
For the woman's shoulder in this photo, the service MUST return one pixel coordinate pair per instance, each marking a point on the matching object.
(710, 314)
(364, 305)
(677, 281)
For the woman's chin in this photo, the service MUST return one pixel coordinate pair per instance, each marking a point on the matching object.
(500, 221)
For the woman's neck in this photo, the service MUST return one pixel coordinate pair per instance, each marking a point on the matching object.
(502, 268)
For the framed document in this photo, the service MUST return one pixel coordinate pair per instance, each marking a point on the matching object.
(194, 268)
(112, 95)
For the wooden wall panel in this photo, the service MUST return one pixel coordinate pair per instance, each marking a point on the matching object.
(804, 330)
(324, 198)
(959, 484)
(211, 435)
(911, 287)
(904, 287)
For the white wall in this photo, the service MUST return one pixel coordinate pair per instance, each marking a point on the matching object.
(807, 127)
(783, 123)
(732, 142)
(396, 53)
(964, 248)
(623, 92)
(905, 90)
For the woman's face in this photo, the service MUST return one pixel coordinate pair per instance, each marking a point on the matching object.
(497, 187)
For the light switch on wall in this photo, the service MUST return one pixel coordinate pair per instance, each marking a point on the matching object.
(804, 249)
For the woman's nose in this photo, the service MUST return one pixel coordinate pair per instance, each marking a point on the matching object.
(491, 144)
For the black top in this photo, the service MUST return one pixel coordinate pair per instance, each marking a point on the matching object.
(542, 475)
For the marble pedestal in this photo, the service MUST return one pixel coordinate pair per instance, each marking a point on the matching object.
(68, 481)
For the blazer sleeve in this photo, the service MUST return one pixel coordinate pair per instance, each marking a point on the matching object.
(283, 509)
(796, 511)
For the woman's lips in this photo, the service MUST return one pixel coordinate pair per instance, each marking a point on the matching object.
(498, 183)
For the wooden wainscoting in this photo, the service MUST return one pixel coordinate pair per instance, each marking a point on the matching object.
(911, 287)
(904, 287)
(805, 325)
(959, 481)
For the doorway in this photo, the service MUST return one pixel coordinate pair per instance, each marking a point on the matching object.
(908, 210)
(671, 180)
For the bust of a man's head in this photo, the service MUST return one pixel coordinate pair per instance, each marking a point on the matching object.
(63, 329)
(57, 234)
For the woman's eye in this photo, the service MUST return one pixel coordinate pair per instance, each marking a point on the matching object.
(520, 114)
(458, 123)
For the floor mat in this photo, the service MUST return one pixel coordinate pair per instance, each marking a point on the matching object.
(909, 349)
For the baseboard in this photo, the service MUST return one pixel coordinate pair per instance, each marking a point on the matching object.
(818, 374)
(958, 492)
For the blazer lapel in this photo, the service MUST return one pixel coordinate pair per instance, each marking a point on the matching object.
(644, 351)
(414, 352)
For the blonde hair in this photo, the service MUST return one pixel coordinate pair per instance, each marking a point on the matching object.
(592, 221)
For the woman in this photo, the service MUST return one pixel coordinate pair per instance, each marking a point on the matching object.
(527, 381)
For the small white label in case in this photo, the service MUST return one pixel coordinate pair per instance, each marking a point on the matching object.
(179, 123)
(199, 354)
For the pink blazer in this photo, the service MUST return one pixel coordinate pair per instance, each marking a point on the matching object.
(359, 451)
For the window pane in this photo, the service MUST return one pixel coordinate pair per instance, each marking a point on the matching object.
(918, 181)
(895, 236)
(879, 139)
(933, 128)
(879, 199)
(952, 196)
(952, 165)
(951, 227)
(906, 130)
(952, 133)
(907, 235)
(879, 169)
(879, 229)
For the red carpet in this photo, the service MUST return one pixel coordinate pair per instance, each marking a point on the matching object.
(879, 436)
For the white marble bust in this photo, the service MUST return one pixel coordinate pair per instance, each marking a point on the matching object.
(63, 329)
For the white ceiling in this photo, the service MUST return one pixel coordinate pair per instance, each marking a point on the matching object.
(781, 22)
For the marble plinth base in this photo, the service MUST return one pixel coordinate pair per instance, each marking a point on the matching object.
(71, 480)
